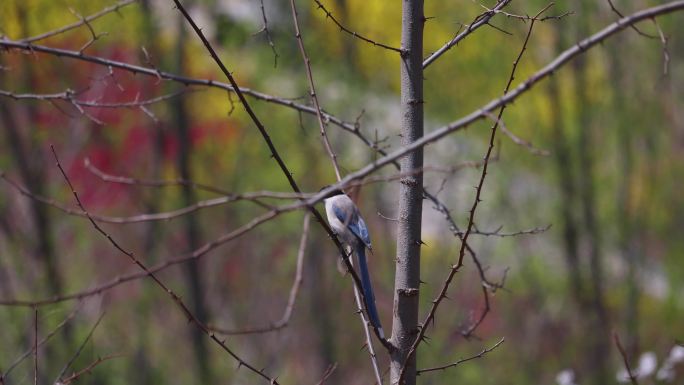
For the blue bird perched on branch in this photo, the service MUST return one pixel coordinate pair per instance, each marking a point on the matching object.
(345, 220)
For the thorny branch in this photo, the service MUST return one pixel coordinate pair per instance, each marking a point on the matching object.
(83, 21)
(186, 311)
(275, 155)
(471, 219)
(329, 15)
(188, 81)
(70, 97)
(482, 19)
(151, 183)
(268, 34)
(661, 36)
(256, 197)
(87, 369)
(42, 342)
(527, 17)
(462, 360)
(312, 91)
(387, 158)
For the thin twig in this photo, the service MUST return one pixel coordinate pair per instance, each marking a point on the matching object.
(462, 360)
(79, 350)
(328, 372)
(630, 373)
(666, 51)
(268, 34)
(275, 155)
(40, 343)
(312, 90)
(154, 72)
(294, 290)
(387, 158)
(525, 18)
(83, 21)
(120, 179)
(186, 311)
(482, 19)
(69, 96)
(634, 27)
(498, 233)
(517, 140)
(87, 369)
(254, 197)
(329, 15)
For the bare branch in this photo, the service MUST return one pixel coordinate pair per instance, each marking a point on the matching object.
(87, 369)
(328, 372)
(666, 51)
(479, 21)
(274, 152)
(70, 97)
(630, 373)
(312, 90)
(79, 350)
(456, 267)
(178, 183)
(329, 15)
(268, 34)
(634, 27)
(517, 140)
(527, 17)
(387, 158)
(186, 311)
(83, 21)
(294, 290)
(134, 69)
(462, 360)
(93, 36)
(163, 216)
(498, 233)
(40, 343)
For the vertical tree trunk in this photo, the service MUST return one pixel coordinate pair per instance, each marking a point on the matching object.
(564, 164)
(407, 276)
(141, 370)
(182, 124)
(599, 341)
(627, 241)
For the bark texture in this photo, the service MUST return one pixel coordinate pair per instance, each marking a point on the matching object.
(407, 277)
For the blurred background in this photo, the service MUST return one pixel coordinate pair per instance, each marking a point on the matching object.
(610, 188)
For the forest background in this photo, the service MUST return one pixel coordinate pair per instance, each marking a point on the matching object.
(579, 232)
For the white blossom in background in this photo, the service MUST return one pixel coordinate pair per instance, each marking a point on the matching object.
(566, 377)
(667, 371)
(648, 362)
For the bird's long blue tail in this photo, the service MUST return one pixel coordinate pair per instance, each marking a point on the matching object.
(368, 290)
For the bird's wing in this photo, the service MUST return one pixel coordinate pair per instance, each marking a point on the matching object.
(354, 223)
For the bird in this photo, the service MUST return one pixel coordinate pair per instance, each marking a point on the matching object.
(346, 221)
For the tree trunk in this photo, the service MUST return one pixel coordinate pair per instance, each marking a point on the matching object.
(599, 341)
(192, 233)
(407, 276)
